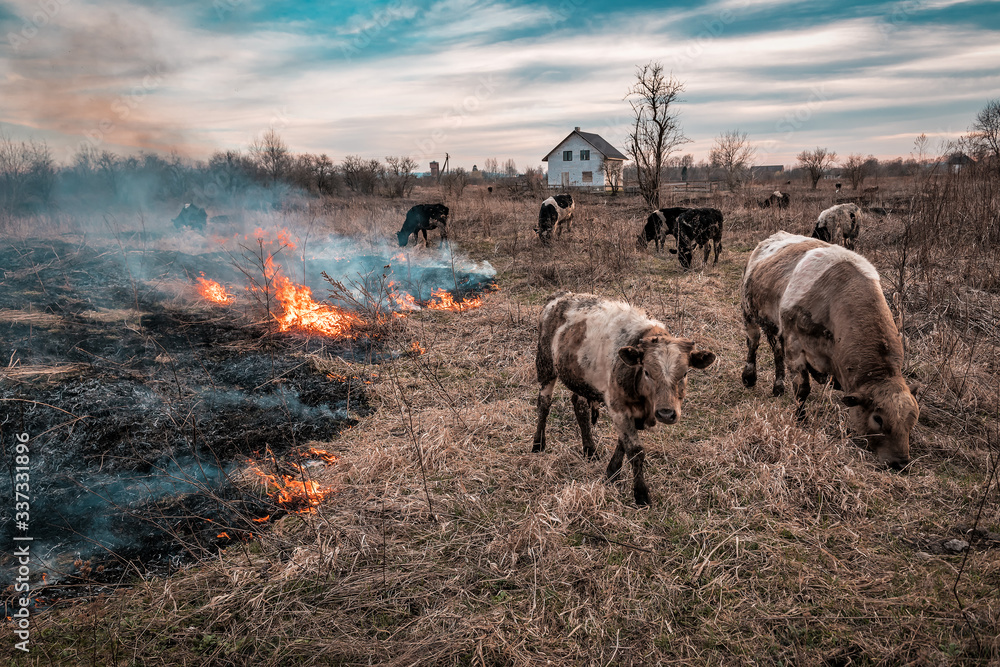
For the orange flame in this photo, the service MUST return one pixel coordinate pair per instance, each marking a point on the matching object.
(442, 299)
(223, 534)
(417, 348)
(262, 519)
(298, 495)
(301, 312)
(321, 454)
(213, 291)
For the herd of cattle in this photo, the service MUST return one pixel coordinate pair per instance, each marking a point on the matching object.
(819, 305)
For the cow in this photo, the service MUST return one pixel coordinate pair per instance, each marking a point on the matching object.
(697, 227)
(660, 224)
(555, 213)
(609, 352)
(776, 199)
(822, 309)
(839, 223)
(421, 218)
(191, 216)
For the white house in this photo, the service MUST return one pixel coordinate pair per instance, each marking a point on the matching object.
(578, 161)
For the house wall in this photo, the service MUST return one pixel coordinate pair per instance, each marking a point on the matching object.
(575, 167)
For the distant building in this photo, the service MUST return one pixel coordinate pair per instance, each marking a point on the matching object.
(959, 161)
(435, 169)
(765, 170)
(578, 161)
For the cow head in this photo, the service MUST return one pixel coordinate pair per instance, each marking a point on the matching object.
(403, 238)
(821, 233)
(883, 414)
(654, 377)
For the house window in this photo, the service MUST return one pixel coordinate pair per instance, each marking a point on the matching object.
(588, 177)
(567, 156)
(584, 155)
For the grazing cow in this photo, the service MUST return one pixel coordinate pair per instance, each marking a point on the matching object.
(422, 217)
(555, 213)
(838, 224)
(191, 216)
(660, 224)
(696, 227)
(776, 199)
(609, 352)
(821, 308)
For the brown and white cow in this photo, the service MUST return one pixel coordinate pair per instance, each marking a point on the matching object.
(609, 352)
(822, 309)
(840, 223)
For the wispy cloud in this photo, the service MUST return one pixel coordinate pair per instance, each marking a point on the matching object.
(483, 78)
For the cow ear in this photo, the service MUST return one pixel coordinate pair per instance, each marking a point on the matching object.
(630, 355)
(853, 400)
(701, 359)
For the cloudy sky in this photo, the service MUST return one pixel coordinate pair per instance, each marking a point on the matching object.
(480, 79)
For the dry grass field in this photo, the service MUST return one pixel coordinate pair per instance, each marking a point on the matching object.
(768, 541)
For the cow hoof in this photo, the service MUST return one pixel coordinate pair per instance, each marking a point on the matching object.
(749, 377)
(642, 497)
(778, 390)
(537, 448)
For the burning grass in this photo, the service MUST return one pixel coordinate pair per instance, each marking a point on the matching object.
(447, 542)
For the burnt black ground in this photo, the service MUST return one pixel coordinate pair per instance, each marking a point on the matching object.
(131, 452)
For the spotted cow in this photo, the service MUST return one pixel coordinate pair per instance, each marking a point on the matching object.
(609, 352)
(822, 309)
(660, 224)
(839, 224)
(421, 218)
(555, 213)
(698, 227)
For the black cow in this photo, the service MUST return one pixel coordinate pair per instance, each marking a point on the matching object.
(660, 224)
(776, 199)
(422, 217)
(191, 216)
(696, 227)
(555, 213)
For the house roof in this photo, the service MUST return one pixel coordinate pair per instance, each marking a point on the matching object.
(595, 140)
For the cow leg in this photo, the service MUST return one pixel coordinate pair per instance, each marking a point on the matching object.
(777, 344)
(749, 376)
(799, 369)
(628, 445)
(581, 407)
(718, 249)
(708, 251)
(544, 403)
(615, 464)
(426, 242)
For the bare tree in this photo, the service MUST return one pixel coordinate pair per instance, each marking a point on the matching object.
(613, 172)
(491, 168)
(656, 132)
(510, 168)
(271, 155)
(361, 175)
(27, 172)
(985, 135)
(400, 178)
(856, 168)
(816, 162)
(734, 154)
